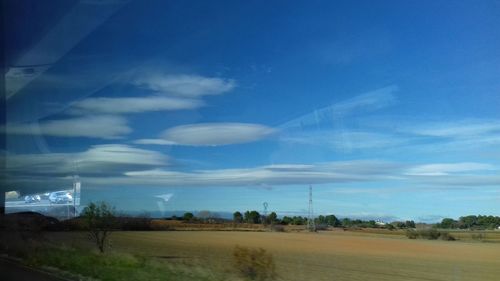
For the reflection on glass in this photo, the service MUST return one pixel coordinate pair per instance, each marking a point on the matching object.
(328, 140)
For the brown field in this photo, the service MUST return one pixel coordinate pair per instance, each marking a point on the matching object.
(330, 255)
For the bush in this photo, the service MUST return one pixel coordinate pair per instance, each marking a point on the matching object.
(411, 234)
(254, 264)
(278, 228)
(100, 220)
(430, 234)
(446, 236)
(321, 227)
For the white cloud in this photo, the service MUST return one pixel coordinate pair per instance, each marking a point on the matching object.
(97, 159)
(119, 154)
(463, 181)
(333, 172)
(213, 134)
(154, 141)
(133, 105)
(459, 129)
(121, 165)
(100, 126)
(442, 169)
(191, 86)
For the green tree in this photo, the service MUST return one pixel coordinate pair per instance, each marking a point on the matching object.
(272, 218)
(100, 220)
(399, 224)
(332, 220)
(448, 223)
(252, 217)
(321, 220)
(467, 221)
(237, 217)
(286, 220)
(346, 222)
(188, 216)
(410, 224)
(298, 220)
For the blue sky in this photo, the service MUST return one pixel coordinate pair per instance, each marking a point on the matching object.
(388, 109)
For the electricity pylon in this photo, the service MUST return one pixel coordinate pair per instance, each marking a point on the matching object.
(311, 225)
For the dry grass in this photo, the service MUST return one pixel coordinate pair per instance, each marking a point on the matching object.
(331, 255)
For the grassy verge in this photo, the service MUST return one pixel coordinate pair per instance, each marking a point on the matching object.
(117, 266)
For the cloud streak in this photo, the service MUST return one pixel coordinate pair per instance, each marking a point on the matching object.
(211, 134)
(133, 105)
(100, 126)
(334, 172)
(98, 159)
(458, 129)
(183, 85)
(442, 169)
(122, 165)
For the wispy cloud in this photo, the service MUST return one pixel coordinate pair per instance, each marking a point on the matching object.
(442, 169)
(154, 141)
(211, 134)
(99, 159)
(100, 126)
(125, 105)
(122, 165)
(458, 129)
(457, 180)
(262, 175)
(184, 85)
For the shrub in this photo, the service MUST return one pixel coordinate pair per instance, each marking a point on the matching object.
(100, 221)
(278, 228)
(321, 227)
(411, 234)
(430, 234)
(254, 264)
(446, 236)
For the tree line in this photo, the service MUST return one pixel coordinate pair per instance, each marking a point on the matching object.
(470, 222)
(254, 217)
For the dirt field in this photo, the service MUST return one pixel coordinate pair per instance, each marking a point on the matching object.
(327, 255)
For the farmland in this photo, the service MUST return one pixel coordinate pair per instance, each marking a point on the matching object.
(329, 255)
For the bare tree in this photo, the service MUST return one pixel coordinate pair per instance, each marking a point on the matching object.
(100, 220)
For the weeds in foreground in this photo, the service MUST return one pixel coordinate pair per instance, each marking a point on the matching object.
(254, 264)
(116, 266)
